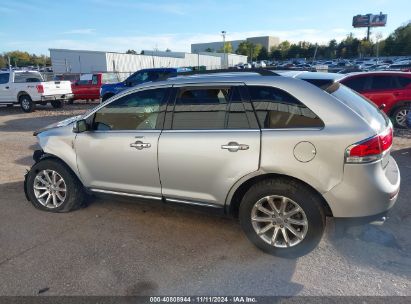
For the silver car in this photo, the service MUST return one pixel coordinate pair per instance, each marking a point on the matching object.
(277, 152)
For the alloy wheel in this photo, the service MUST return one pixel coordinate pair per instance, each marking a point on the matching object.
(401, 117)
(279, 221)
(50, 188)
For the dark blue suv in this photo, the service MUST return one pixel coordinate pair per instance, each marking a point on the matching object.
(141, 76)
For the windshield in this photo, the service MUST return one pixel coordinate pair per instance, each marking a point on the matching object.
(360, 105)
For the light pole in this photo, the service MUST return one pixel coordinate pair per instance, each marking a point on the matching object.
(223, 33)
(378, 36)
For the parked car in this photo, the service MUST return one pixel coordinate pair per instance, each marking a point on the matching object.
(389, 90)
(256, 147)
(139, 77)
(89, 85)
(27, 88)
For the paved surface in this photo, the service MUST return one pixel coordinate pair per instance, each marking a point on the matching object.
(118, 247)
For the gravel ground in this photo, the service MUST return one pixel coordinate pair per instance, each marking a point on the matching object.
(121, 247)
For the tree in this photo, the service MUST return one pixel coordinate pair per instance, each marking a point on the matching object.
(365, 48)
(227, 48)
(255, 50)
(133, 52)
(242, 48)
(283, 47)
(275, 53)
(263, 55)
(168, 50)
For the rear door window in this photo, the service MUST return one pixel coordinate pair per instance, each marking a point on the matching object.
(383, 82)
(276, 109)
(209, 108)
(356, 83)
(404, 81)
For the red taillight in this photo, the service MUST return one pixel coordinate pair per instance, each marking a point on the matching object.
(370, 149)
(40, 88)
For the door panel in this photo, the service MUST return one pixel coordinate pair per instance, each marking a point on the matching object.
(211, 141)
(5, 90)
(194, 166)
(107, 161)
(120, 153)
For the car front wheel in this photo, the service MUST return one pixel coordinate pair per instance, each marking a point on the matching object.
(282, 217)
(51, 186)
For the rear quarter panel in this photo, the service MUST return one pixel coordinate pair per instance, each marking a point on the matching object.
(342, 128)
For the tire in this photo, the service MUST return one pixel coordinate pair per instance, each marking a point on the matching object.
(71, 199)
(399, 116)
(107, 96)
(57, 104)
(70, 101)
(293, 194)
(26, 104)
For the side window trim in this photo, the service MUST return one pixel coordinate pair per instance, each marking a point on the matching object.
(90, 118)
(169, 113)
(288, 128)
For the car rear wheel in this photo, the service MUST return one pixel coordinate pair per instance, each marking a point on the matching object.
(51, 186)
(26, 104)
(282, 217)
(400, 116)
(57, 103)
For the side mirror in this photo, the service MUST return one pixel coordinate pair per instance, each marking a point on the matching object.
(80, 126)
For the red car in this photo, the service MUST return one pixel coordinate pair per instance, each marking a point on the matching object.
(88, 86)
(391, 91)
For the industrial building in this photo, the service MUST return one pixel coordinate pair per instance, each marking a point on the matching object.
(81, 61)
(266, 41)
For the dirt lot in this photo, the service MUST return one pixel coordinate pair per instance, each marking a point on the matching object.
(118, 247)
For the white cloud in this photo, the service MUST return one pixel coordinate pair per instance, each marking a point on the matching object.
(172, 8)
(175, 42)
(84, 31)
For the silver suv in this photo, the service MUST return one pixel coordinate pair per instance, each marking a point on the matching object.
(277, 152)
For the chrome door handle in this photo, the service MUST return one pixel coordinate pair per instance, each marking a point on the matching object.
(139, 145)
(232, 146)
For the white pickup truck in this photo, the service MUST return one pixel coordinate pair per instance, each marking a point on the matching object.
(28, 88)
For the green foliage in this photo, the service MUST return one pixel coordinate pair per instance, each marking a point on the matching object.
(228, 48)
(23, 59)
(263, 55)
(242, 48)
(399, 42)
(133, 52)
(249, 49)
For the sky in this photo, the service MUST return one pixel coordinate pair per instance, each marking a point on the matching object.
(118, 25)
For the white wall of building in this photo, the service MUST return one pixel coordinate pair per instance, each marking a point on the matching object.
(78, 61)
(67, 61)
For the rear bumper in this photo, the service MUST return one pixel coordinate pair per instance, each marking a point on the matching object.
(57, 97)
(366, 190)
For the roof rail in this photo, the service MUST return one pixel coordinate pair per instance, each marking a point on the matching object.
(261, 71)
